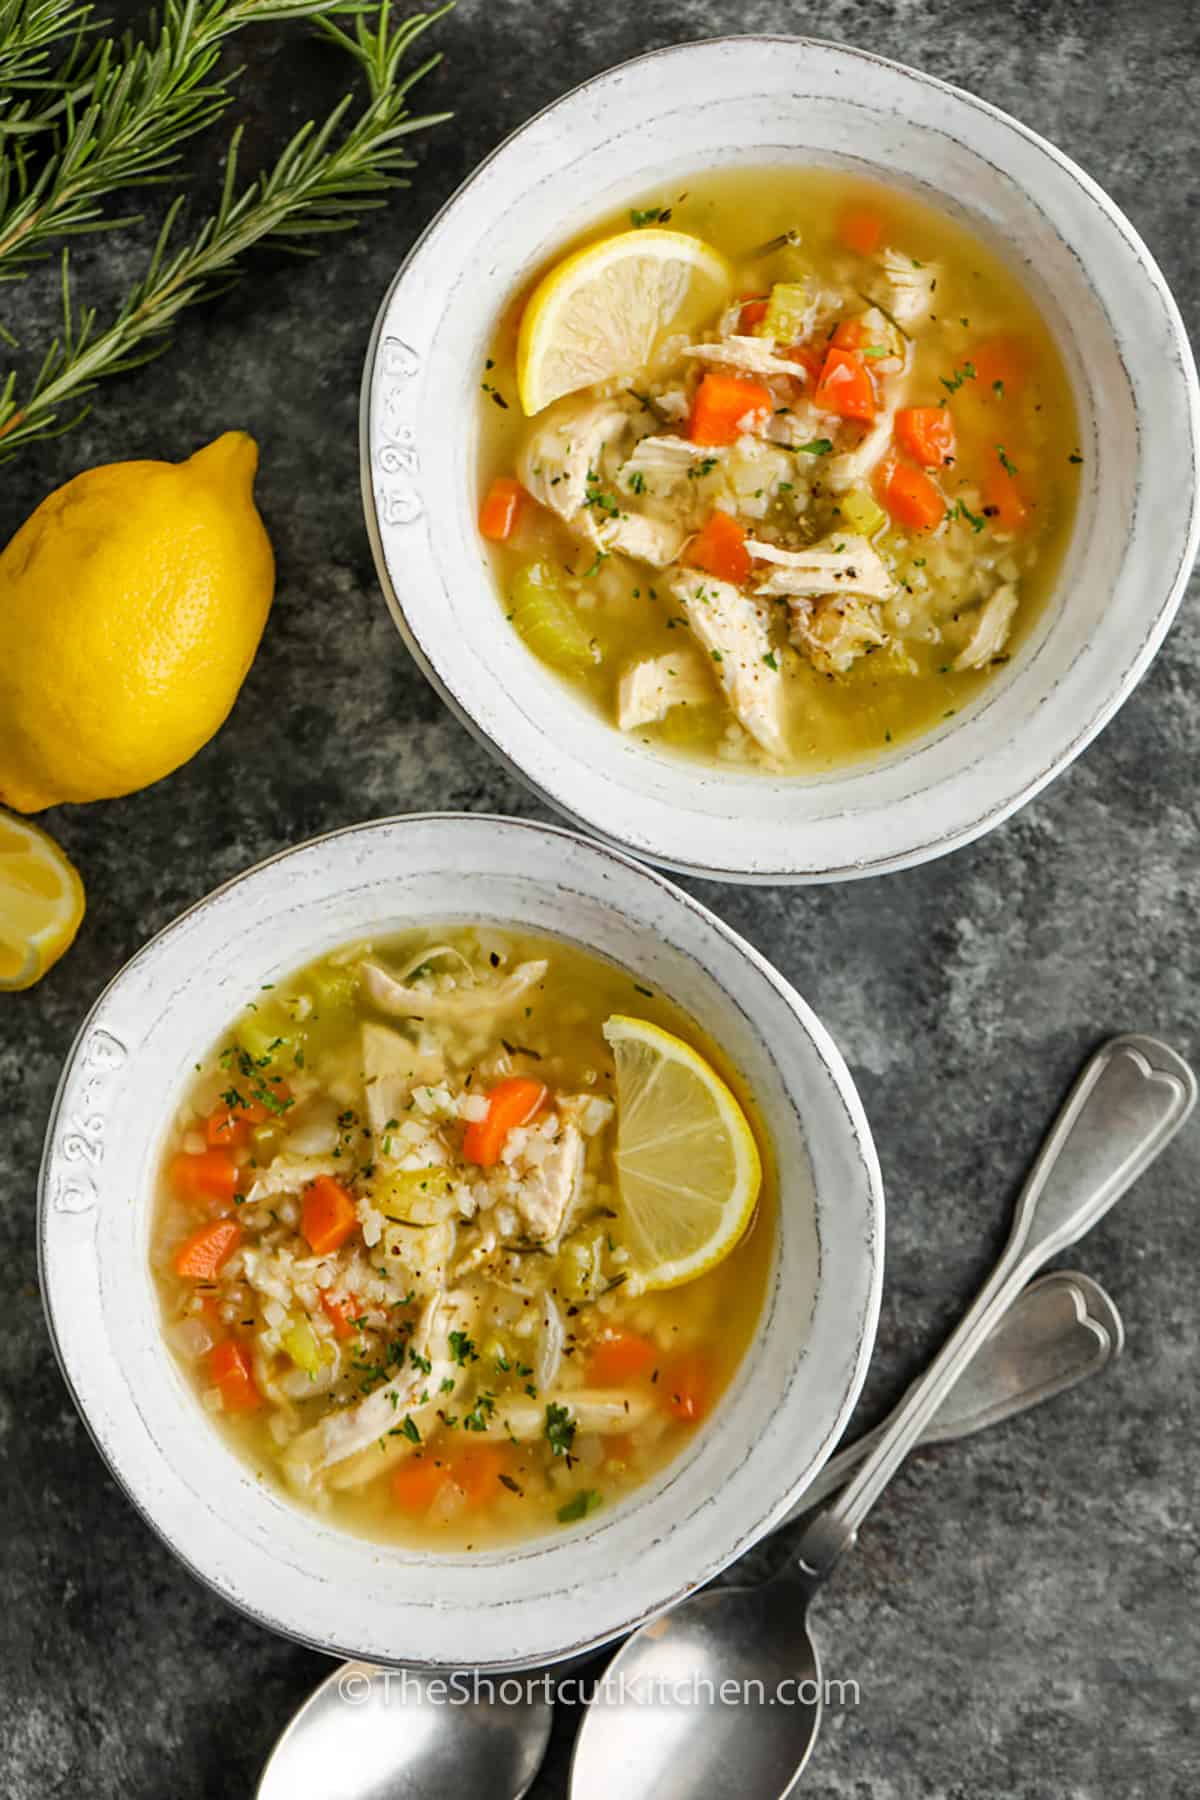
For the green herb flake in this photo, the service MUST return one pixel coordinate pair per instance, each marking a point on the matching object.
(579, 1506)
(816, 447)
(559, 1429)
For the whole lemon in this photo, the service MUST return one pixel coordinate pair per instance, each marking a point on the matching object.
(131, 605)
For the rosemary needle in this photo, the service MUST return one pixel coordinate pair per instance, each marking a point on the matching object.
(325, 177)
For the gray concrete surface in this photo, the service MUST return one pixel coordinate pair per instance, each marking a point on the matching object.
(1021, 1615)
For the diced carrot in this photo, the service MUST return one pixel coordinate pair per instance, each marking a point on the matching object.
(753, 312)
(913, 500)
(1002, 359)
(1003, 502)
(860, 228)
(845, 387)
(328, 1216)
(720, 549)
(851, 334)
(416, 1482)
(229, 1366)
(926, 433)
(201, 1256)
(498, 514)
(510, 1103)
(477, 1471)
(341, 1311)
(228, 1127)
(724, 404)
(810, 360)
(207, 1178)
(685, 1386)
(616, 1360)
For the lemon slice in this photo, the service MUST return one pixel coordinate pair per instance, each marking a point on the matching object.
(687, 1164)
(41, 903)
(602, 312)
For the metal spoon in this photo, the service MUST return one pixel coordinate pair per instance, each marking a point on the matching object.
(376, 1734)
(640, 1737)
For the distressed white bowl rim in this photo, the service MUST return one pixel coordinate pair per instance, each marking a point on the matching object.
(280, 1564)
(1135, 537)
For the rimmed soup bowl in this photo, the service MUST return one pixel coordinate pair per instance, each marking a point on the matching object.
(768, 102)
(293, 1569)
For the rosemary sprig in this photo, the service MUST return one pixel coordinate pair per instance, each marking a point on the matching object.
(123, 119)
(322, 181)
(32, 87)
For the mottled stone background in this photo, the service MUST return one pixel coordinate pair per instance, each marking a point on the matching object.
(1021, 1613)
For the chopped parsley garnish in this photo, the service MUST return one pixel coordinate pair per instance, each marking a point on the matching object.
(1008, 467)
(770, 660)
(410, 1429)
(420, 1362)
(601, 557)
(480, 1413)
(816, 447)
(637, 482)
(579, 1506)
(447, 1386)
(961, 511)
(705, 466)
(965, 373)
(462, 1350)
(559, 1429)
(998, 389)
(1074, 457)
(494, 394)
(649, 215)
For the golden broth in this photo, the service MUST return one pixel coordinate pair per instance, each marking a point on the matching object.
(985, 354)
(453, 1469)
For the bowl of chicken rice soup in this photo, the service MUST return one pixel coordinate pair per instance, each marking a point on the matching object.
(783, 461)
(459, 1243)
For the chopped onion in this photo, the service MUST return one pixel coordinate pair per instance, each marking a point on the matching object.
(191, 1337)
(550, 1348)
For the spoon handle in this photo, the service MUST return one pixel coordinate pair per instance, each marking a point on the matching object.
(1060, 1330)
(1130, 1100)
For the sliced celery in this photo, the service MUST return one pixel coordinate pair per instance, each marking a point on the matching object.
(334, 986)
(581, 1265)
(547, 621)
(410, 1196)
(302, 1345)
(689, 727)
(786, 317)
(267, 1035)
(861, 512)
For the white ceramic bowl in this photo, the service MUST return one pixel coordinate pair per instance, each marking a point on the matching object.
(533, 1603)
(777, 100)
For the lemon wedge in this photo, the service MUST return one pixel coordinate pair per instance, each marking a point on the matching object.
(41, 903)
(688, 1167)
(603, 311)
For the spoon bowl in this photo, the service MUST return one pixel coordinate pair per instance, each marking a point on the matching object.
(720, 1658)
(390, 1734)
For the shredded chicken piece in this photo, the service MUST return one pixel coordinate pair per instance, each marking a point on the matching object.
(906, 288)
(732, 628)
(665, 460)
(835, 632)
(337, 1437)
(287, 1174)
(392, 1066)
(467, 1005)
(991, 630)
(752, 355)
(601, 1410)
(649, 689)
(837, 565)
(655, 541)
(557, 459)
(546, 1190)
